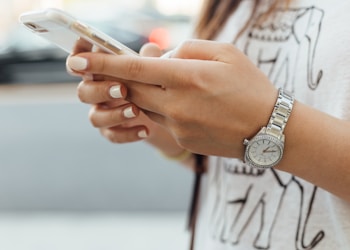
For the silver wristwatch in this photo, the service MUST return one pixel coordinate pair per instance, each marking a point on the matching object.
(265, 149)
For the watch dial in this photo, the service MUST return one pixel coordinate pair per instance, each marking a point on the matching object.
(265, 152)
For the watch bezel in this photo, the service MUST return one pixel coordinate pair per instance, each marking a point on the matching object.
(251, 162)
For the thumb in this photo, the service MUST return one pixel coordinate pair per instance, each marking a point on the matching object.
(205, 50)
(150, 50)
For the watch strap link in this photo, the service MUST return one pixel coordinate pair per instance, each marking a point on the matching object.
(280, 114)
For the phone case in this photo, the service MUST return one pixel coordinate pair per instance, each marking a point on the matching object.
(64, 30)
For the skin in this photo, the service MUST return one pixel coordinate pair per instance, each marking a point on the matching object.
(207, 98)
(106, 113)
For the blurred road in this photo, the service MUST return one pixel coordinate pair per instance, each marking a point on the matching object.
(52, 159)
(93, 232)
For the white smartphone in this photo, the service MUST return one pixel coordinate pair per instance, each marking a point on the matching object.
(64, 30)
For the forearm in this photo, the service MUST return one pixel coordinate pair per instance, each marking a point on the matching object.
(317, 150)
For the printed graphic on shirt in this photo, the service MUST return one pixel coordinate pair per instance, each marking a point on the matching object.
(276, 42)
(279, 44)
(262, 193)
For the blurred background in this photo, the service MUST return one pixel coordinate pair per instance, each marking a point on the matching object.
(63, 186)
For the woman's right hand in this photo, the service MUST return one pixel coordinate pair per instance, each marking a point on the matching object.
(117, 119)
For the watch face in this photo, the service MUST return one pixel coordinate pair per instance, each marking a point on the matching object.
(264, 151)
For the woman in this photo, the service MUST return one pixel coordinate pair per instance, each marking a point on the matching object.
(287, 72)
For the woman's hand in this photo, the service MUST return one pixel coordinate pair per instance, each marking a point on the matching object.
(211, 97)
(208, 94)
(119, 120)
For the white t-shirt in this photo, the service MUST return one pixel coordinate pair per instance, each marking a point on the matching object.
(306, 50)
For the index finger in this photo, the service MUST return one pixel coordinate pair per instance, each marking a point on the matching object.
(156, 71)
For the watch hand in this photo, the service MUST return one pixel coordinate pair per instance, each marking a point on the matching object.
(269, 151)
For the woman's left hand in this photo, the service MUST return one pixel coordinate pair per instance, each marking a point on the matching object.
(209, 95)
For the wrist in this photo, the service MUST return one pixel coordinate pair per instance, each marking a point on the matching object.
(266, 148)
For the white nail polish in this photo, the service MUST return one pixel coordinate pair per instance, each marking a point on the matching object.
(142, 134)
(115, 92)
(129, 112)
(71, 72)
(77, 63)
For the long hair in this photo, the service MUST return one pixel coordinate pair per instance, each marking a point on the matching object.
(215, 13)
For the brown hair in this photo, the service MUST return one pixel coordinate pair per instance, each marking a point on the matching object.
(215, 13)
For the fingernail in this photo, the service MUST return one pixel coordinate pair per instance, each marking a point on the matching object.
(142, 134)
(77, 63)
(115, 91)
(129, 112)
